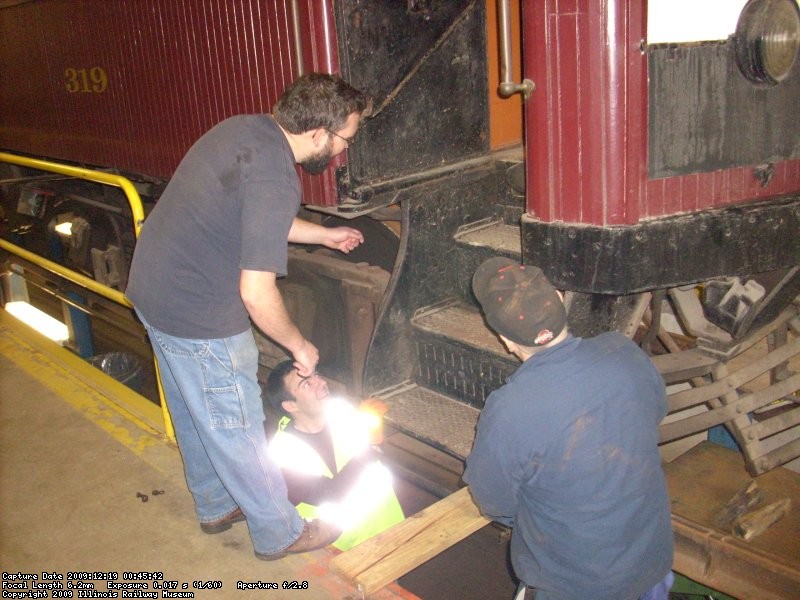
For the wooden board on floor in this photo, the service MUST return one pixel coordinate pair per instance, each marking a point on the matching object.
(403, 547)
(767, 566)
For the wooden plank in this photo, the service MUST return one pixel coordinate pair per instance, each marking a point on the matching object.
(683, 365)
(359, 558)
(779, 456)
(403, 547)
(695, 423)
(773, 425)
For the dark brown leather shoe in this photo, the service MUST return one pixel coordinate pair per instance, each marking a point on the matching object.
(223, 523)
(316, 534)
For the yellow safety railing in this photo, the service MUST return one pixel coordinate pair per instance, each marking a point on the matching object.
(88, 174)
(137, 212)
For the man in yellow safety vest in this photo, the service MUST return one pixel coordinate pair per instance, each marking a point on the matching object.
(327, 451)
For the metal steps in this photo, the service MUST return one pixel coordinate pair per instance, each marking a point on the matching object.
(460, 322)
(438, 420)
(459, 360)
(459, 363)
(500, 237)
(457, 355)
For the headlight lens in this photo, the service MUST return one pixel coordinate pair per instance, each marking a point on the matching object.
(767, 40)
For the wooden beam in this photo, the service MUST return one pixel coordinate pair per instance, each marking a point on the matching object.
(681, 365)
(403, 547)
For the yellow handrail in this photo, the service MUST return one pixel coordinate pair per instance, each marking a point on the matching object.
(66, 273)
(137, 211)
(88, 174)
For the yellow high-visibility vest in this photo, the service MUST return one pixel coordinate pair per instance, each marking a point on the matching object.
(370, 506)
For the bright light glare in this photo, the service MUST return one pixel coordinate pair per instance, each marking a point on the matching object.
(40, 321)
(64, 228)
(683, 21)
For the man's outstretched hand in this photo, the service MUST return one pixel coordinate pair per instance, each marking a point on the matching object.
(343, 239)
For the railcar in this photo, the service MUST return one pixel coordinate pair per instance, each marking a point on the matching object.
(649, 170)
(646, 155)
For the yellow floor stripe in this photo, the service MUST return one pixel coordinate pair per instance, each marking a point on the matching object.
(128, 417)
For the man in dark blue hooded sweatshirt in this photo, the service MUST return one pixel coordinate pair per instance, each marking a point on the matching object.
(566, 451)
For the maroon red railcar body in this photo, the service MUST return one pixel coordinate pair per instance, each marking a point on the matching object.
(131, 85)
(587, 124)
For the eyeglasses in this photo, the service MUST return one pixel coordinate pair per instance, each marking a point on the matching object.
(347, 141)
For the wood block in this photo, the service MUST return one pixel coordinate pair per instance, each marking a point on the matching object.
(748, 497)
(758, 521)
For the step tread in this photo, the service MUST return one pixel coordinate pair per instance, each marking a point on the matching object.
(463, 323)
(498, 235)
(434, 418)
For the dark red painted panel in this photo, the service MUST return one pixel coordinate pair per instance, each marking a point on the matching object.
(173, 69)
(718, 188)
(586, 123)
(571, 157)
(689, 193)
(539, 138)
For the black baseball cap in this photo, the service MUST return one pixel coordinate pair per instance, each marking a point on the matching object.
(519, 302)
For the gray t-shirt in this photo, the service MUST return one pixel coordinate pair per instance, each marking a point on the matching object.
(229, 206)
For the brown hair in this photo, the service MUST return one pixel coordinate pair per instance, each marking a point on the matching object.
(318, 100)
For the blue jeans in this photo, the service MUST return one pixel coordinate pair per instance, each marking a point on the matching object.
(659, 591)
(214, 400)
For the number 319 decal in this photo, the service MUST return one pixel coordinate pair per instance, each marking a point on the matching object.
(92, 80)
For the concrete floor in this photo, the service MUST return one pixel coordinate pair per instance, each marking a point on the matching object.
(74, 465)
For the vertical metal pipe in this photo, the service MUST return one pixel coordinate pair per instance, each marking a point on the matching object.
(507, 87)
(504, 24)
(298, 40)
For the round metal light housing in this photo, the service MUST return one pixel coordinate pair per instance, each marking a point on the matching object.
(767, 40)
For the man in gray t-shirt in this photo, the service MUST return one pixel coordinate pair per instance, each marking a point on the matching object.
(205, 265)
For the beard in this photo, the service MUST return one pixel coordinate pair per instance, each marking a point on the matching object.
(317, 163)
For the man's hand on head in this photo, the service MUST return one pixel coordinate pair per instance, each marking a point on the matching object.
(306, 358)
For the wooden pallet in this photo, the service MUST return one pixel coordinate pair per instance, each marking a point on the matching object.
(767, 441)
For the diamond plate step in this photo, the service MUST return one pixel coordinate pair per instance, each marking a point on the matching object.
(492, 233)
(457, 355)
(431, 417)
(460, 322)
